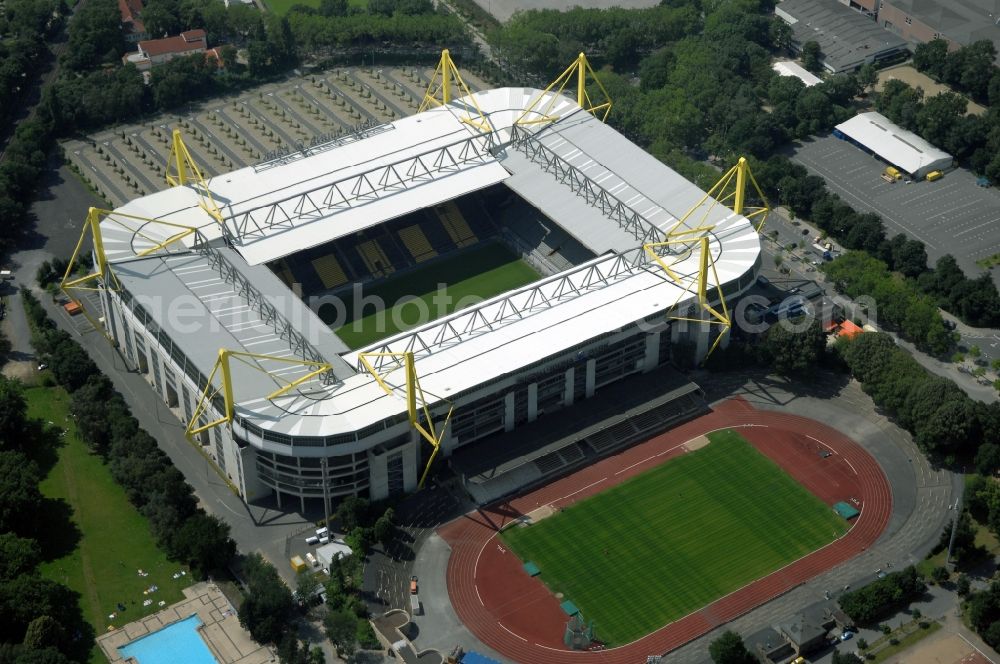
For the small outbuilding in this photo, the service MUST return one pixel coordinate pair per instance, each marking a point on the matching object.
(335, 550)
(789, 68)
(874, 133)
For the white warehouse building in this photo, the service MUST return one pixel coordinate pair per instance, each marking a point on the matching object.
(899, 147)
(571, 196)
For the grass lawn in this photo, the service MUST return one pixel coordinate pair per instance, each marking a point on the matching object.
(101, 561)
(472, 276)
(907, 641)
(281, 7)
(672, 540)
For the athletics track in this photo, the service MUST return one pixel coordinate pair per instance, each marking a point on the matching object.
(517, 616)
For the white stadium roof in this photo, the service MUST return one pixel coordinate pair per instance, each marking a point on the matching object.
(639, 199)
(896, 145)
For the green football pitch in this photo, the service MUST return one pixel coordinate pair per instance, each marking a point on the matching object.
(471, 276)
(670, 541)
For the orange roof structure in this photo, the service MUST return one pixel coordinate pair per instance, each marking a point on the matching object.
(186, 42)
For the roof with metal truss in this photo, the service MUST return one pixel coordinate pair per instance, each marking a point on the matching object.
(584, 175)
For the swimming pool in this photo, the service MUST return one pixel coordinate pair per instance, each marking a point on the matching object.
(179, 642)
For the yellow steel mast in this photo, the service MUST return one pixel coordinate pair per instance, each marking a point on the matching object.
(416, 402)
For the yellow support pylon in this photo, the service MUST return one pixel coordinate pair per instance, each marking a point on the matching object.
(415, 401)
(92, 227)
(581, 67)
(441, 92)
(223, 368)
(731, 188)
(182, 169)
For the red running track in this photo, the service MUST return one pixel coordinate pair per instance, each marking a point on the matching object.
(518, 616)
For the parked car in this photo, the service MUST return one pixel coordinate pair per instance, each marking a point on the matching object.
(847, 635)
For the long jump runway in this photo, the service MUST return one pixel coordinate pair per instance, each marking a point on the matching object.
(519, 617)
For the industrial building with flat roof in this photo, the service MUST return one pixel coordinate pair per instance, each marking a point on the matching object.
(895, 145)
(569, 194)
(847, 39)
(959, 22)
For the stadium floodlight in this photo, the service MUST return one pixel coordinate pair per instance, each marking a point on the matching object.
(186, 170)
(223, 368)
(414, 394)
(441, 88)
(581, 67)
(141, 230)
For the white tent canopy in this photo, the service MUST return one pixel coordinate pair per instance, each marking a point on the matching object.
(896, 145)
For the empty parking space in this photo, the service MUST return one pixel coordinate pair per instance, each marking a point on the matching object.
(951, 216)
(225, 134)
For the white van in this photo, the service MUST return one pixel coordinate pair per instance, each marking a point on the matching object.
(311, 559)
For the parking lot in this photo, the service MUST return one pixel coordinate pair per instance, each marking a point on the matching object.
(225, 134)
(950, 216)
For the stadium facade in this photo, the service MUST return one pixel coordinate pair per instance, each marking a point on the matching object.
(179, 282)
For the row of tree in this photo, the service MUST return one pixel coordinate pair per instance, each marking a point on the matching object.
(40, 619)
(879, 598)
(151, 482)
(157, 489)
(25, 26)
(975, 301)
(899, 306)
(944, 421)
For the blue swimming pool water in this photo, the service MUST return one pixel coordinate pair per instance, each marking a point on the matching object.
(175, 643)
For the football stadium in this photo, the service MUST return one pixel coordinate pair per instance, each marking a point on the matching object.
(482, 282)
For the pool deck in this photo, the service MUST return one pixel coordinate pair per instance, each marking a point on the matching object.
(221, 630)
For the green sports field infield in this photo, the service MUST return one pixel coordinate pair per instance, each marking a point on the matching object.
(672, 540)
(472, 276)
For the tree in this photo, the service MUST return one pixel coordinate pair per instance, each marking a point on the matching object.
(13, 415)
(384, 529)
(42, 632)
(20, 498)
(867, 76)
(18, 555)
(810, 56)
(351, 513)
(341, 628)
(306, 585)
(729, 649)
(845, 658)
(963, 586)
(940, 574)
(988, 459)
(203, 543)
(931, 56)
(794, 351)
(266, 611)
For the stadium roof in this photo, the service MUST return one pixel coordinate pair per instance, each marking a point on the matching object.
(847, 39)
(896, 145)
(468, 348)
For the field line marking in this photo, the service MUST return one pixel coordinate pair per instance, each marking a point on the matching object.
(671, 449)
(974, 647)
(511, 633)
(851, 465)
(546, 647)
(478, 596)
(824, 445)
(551, 502)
